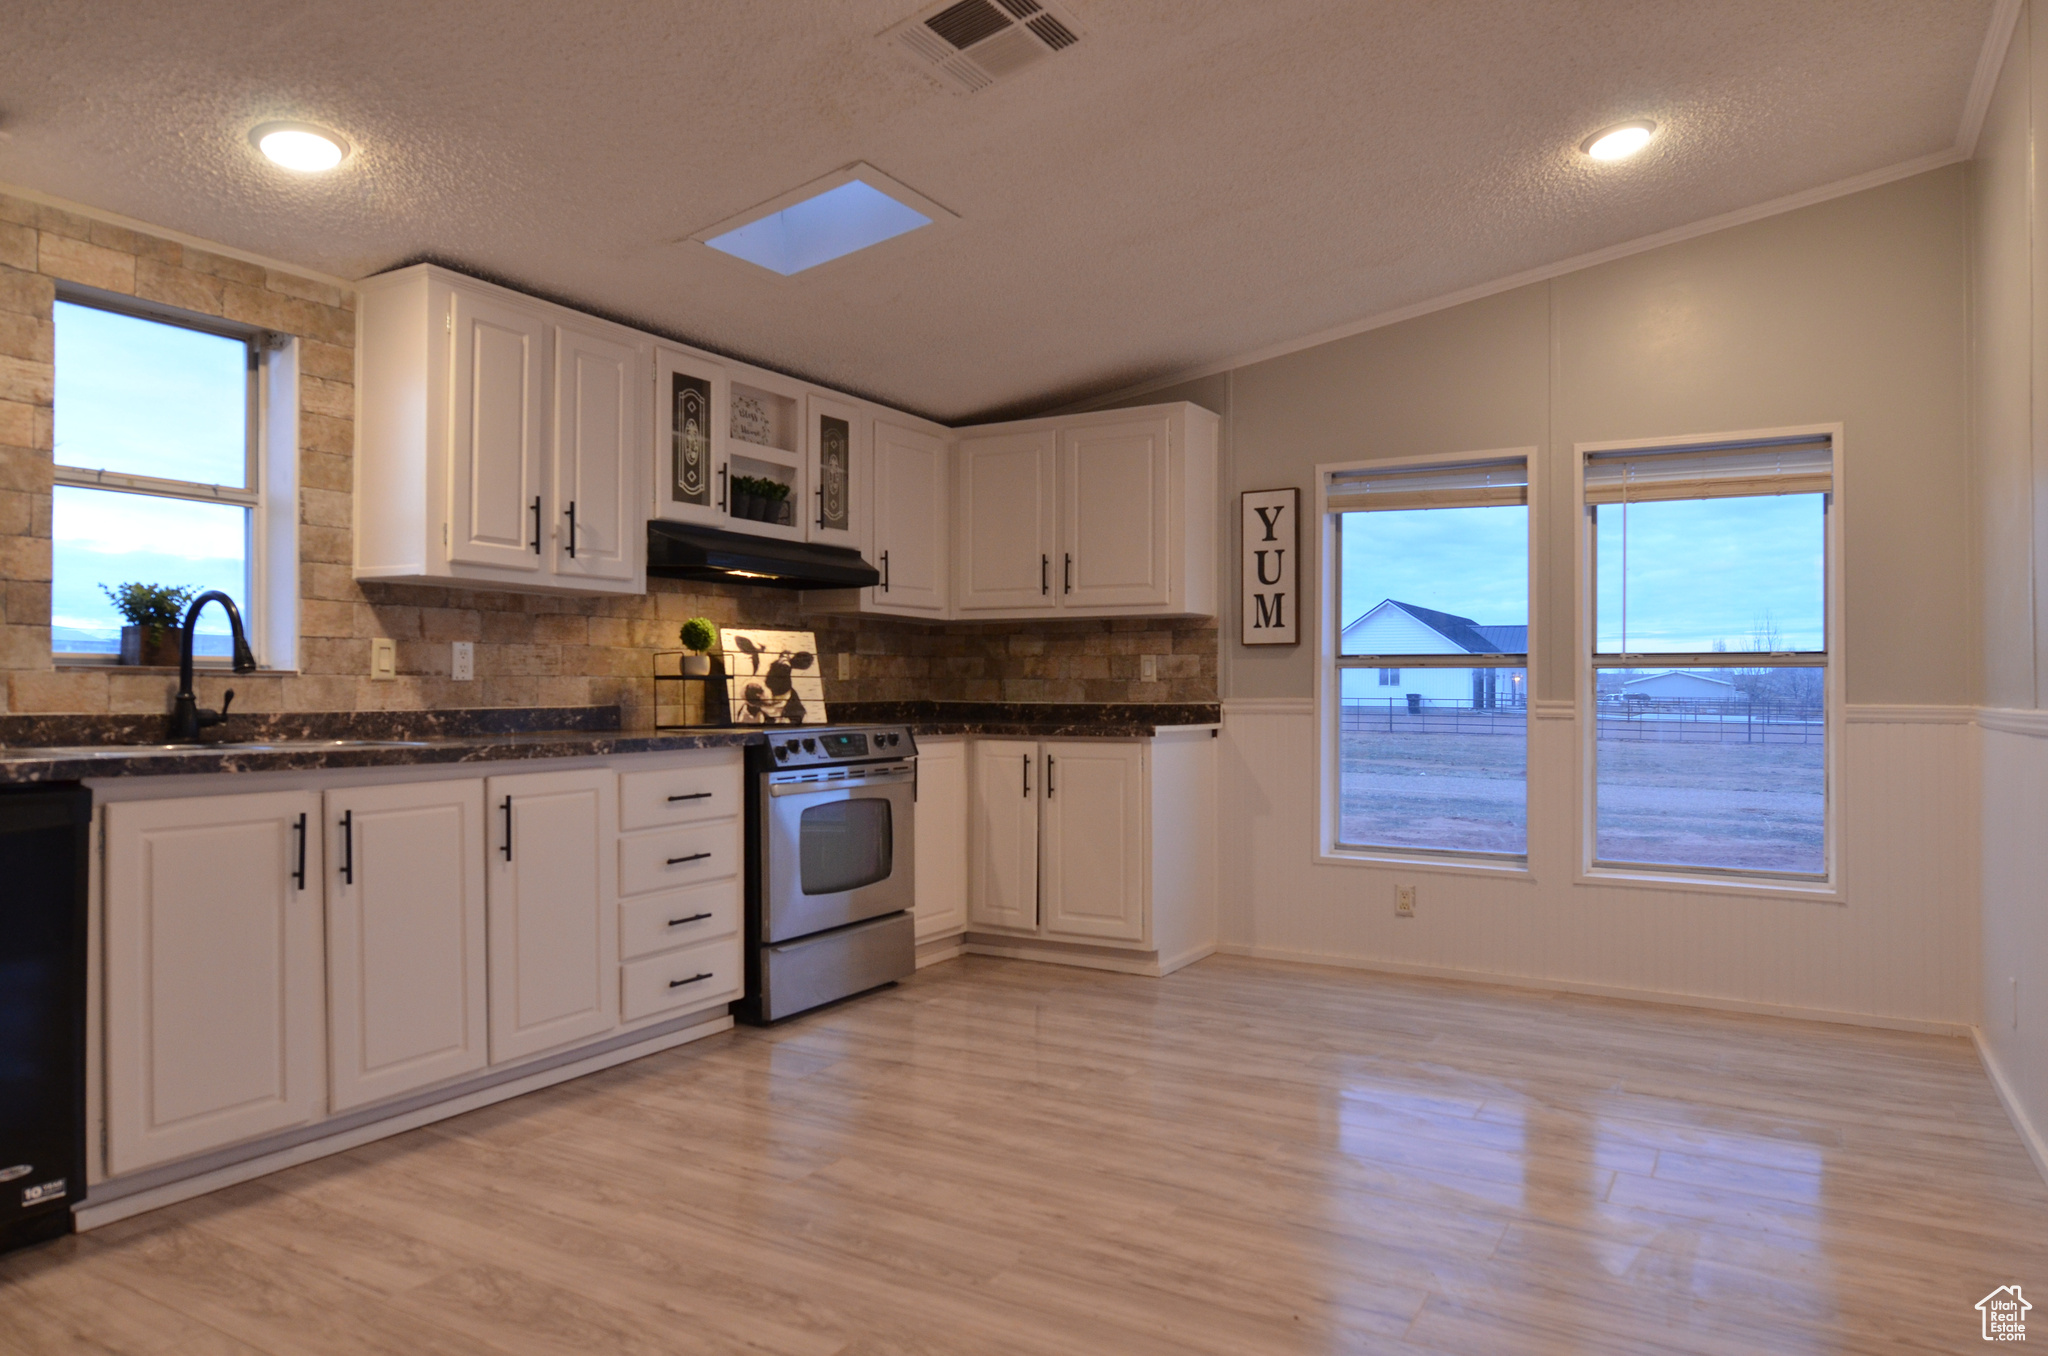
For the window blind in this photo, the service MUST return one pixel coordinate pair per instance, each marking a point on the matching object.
(1792, 466)
(1471, 485)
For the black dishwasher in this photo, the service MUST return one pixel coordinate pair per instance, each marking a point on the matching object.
(45, 837)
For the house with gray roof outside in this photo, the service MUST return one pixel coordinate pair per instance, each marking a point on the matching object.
(1394, 628)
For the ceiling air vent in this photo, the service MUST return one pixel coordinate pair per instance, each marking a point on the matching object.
(974, 43)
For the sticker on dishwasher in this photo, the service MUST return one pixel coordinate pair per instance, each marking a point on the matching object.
(18, 1170)
(42, 1191)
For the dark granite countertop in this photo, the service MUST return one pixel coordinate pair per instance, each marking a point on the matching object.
(72, 748)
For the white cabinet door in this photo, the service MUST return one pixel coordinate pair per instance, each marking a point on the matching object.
(1005, 515)
(1115, 503)
(689, 439)
(405, 938)
(839, 514)
(213, 986)
(1094, 836)
(554, 918)
(1003, 834)
(597, 399)
(910, 519)
(941, 837)
(497, 433)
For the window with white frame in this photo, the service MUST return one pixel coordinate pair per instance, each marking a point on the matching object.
(1431, 598)
(158, 478)
(1708, 674)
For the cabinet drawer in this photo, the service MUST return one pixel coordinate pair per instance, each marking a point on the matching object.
(680, 980)
(676, 918)
(664, 858)
(679, 795)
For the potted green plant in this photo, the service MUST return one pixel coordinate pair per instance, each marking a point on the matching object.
(744, 497)
(699, 635)
(153, 613)
(775, 502)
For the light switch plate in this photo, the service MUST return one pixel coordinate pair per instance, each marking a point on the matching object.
(845, 666)
(462, 667)
(383, 659)
(1148, 668)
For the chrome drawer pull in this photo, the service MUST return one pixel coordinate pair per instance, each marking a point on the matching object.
(693, 918)
(679, 983)
(694, 795)
(693, 857)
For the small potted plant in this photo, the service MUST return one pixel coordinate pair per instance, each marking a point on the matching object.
(153, 613)
(699, 635)
(774, 502)
(743, 496)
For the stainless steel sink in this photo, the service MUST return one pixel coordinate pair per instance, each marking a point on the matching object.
(109, 751)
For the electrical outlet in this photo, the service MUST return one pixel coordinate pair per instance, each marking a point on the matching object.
(383, 659)
(462, 667)
(1404, 901)
(1148, 668)
(845, 666)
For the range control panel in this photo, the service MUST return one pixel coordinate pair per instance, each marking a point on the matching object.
(809, 746)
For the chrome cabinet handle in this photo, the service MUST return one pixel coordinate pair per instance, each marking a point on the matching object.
(348, 847)
(693, 918)
(679, 983)
(693, 857)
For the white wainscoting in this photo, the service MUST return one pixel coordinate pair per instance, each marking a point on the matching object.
(1900, 950)
(2014, 1032)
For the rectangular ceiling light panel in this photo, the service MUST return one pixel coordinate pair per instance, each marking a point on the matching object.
(823, 227)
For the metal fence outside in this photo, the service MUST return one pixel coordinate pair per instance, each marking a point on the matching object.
(1672, 720)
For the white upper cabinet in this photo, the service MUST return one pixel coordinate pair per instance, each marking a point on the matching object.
(598, 407)
(910, 520)
(497, 438)
(1115, 520)
(482, 416)
(1005, 511)
(1096, 515)
(690, 417)
(840, 514)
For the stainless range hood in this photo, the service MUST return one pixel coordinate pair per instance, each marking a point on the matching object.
(675, 551)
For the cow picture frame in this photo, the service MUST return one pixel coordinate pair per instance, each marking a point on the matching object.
(1270, 539)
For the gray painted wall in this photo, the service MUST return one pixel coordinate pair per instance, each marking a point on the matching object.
(1854, 310)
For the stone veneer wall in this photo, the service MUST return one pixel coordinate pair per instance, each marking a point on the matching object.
(532, 649)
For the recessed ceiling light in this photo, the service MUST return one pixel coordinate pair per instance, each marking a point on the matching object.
(299, 146)
(1620, 141)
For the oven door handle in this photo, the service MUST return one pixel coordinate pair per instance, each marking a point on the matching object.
(896, 776)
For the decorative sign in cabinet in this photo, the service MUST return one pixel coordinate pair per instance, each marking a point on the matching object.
(1078, 848)
(499, 438)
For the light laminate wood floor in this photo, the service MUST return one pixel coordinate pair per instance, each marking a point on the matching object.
(1247, 1157)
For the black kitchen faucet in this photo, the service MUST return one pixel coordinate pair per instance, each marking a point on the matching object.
(187, 720)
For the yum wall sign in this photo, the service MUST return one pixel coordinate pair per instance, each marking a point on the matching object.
(1271, 541)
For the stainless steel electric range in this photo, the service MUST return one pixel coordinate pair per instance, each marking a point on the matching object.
(831, 832)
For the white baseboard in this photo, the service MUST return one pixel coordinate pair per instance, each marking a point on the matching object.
(1168, 964)
(2030, 1134)
(944, 953)
(1684, 1000)
(1143, 963)
(91, 1214)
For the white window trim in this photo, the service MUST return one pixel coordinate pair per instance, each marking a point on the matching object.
(270, 616)
(1830, 888)
(1329, 770)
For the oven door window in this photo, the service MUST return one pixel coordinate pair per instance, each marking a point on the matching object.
(845, 844)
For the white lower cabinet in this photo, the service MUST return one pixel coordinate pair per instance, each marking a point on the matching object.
(214, 991)
(406, 970)
(1002, 838)
(554, 921)
(1092, 838)
(680, 886)
(677, 981)
(941, 875)
(1094, 845)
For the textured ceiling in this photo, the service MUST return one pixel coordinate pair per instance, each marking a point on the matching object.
(1198, 178)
